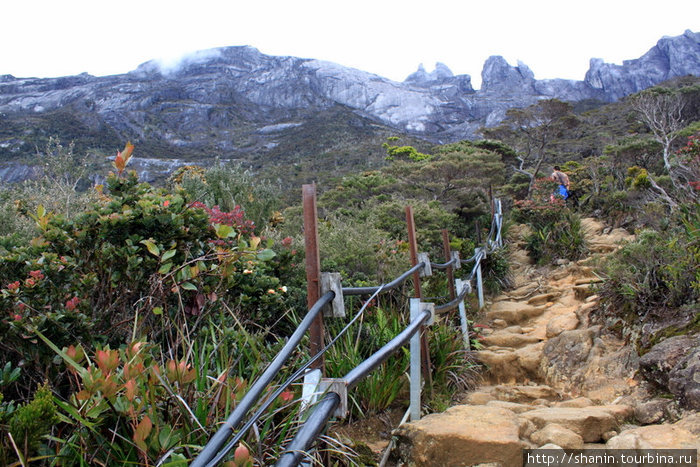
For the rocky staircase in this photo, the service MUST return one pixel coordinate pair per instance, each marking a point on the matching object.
(552, 380)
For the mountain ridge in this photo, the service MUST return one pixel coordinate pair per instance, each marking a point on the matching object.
(225, 101)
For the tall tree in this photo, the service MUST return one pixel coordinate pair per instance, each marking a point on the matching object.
(662, 111)
(533, 132)
(455, 176)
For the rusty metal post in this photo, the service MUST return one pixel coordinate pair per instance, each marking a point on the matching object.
(413, 249)
(313, 270)
(448, 257)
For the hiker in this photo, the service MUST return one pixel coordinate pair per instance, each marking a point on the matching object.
(563, 180)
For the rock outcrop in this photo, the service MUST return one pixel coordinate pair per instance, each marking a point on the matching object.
(673, 365)
(672, 56)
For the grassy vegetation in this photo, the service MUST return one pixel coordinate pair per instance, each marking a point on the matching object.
(135, 317)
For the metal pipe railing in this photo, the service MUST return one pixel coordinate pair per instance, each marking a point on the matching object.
(377, 358)
(211, 449)
(309, 431)
(222, 452)
(452, 304)
(443, 265)
(324, 409)
(391, 285)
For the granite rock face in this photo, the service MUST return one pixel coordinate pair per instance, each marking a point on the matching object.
(673, 365)
(672, 56)
(220, 97)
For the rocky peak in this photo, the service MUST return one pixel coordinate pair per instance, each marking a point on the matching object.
(423, 78)
(498, 76)
(670, 57)
(238, 58)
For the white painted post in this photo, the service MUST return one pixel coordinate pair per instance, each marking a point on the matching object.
(499, 224)
(310, 389)
(460, 285)
(415, 370)
(479, 282)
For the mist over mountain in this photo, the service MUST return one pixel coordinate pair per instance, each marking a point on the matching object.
(237, 103)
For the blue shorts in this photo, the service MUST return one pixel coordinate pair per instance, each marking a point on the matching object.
(563, 192)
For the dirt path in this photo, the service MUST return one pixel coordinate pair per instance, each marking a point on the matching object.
(552, 379)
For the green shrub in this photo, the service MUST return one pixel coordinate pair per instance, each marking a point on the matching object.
(229, 187)
(495, 269)
(138, 262)
(31, 422)
(654, 271)
(654, 282)
(556, 230)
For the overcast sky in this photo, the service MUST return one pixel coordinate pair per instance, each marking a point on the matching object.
(555, 38)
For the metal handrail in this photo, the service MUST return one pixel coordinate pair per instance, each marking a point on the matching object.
(443, 265)
(309, 430)
(323, 411)
(452, 304)
(468, 260)
(226, 429)
(222, 452)
(391, 285)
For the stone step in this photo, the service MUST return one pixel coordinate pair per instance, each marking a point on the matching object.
(525, 393)
(522, 292)
(503, 338)
(656, 437)
(462, 435)
(543, 299)
(592, 424)
(513, 312)
(494, 433)
(501, 365)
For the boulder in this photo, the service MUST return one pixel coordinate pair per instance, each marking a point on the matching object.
(674, 365)
(655, 437)
(589, 423)
(651, 412)
(462, 435)
(559, 435)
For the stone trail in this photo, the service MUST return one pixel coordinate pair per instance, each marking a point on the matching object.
(552, 379)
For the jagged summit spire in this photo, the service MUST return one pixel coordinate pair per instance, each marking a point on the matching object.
(422, 77)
